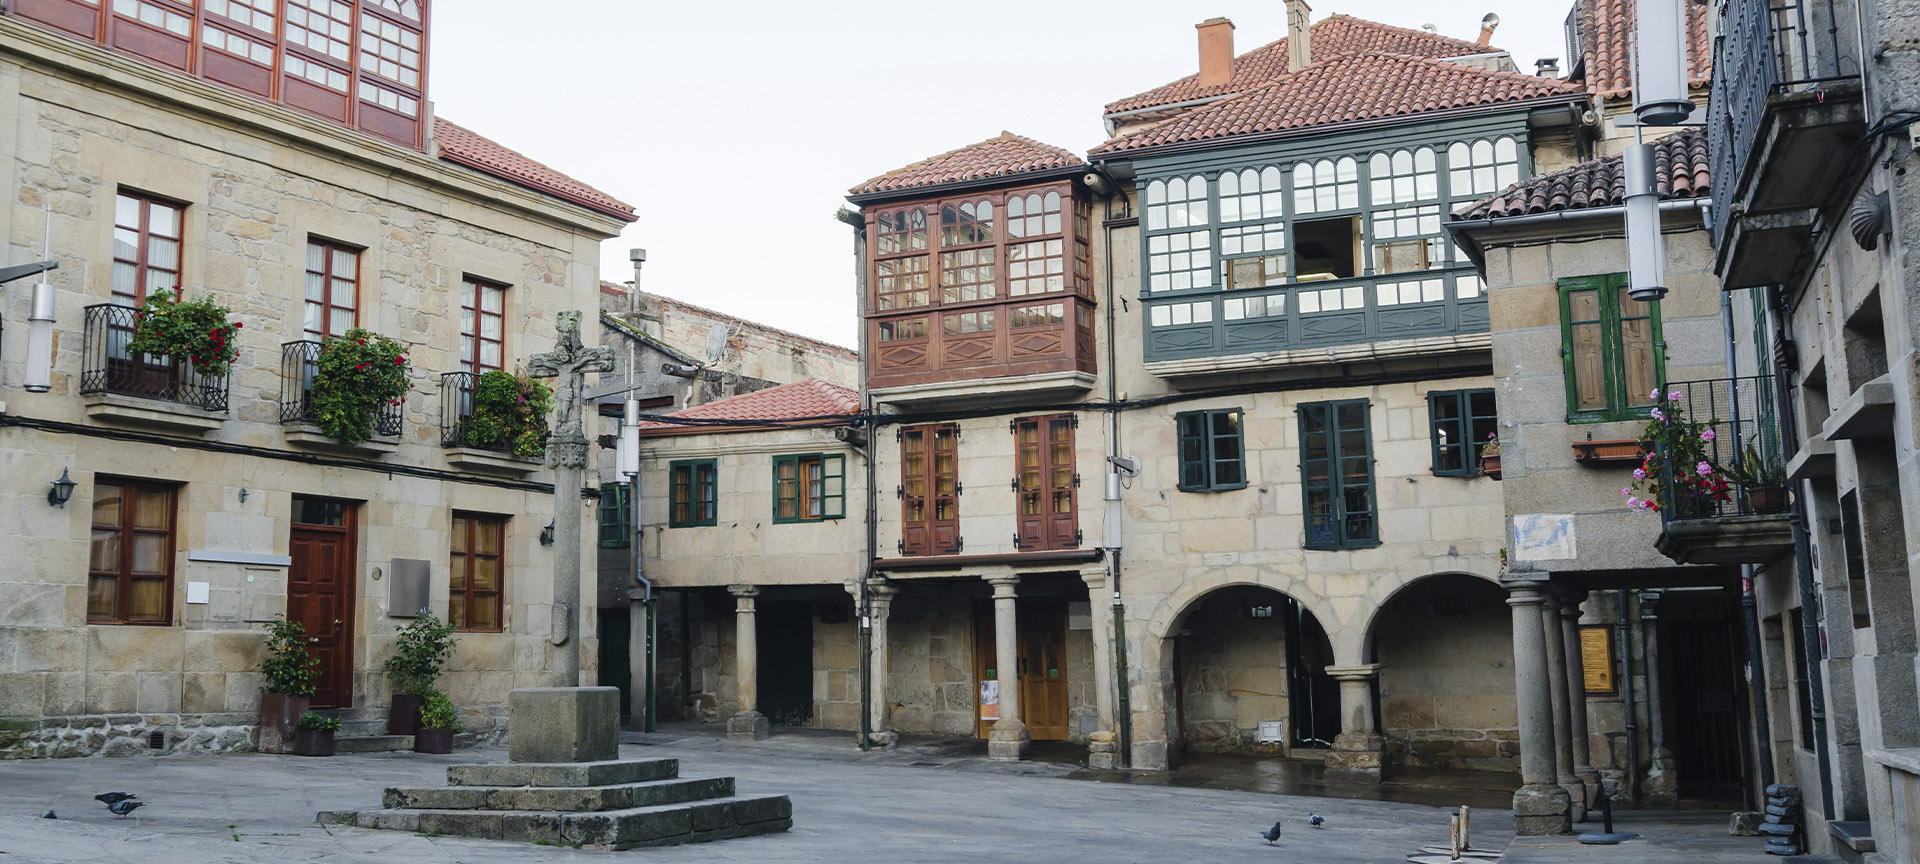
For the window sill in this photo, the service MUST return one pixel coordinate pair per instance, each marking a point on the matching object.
(1345, 547)
(691, 524)
(1212, 488)
(309, 436)
(491, 461)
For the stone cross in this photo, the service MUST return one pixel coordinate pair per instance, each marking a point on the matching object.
(568, 362)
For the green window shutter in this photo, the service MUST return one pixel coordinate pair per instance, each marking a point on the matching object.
(1194, 474)
(1353, 448)
(680, 495)
(1228, 463)
(616, 516)
(692, 496)
(1483, 424)
(833, 478)
(786, 489)
(1317, 478)
(1447, 429)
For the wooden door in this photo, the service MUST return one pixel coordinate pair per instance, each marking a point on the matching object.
(320, 592)
(1040, 643)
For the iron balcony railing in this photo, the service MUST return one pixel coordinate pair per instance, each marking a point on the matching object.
(456, 413)
(1767, 48)
(299, 365)
(108, 367)
(1738, 435)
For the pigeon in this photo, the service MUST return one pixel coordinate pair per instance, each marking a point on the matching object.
(1316, 820)
(1271, 834)
(113, 797)
(48, 815)
(122, 808)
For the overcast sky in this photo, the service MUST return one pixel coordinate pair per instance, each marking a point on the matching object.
(735, 129)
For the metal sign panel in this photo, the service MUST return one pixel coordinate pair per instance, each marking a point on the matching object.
(409, 583)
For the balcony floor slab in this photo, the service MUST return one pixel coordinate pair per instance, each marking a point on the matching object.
(125, 410)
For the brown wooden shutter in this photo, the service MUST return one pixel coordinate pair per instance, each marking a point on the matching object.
(1031, 473)
(915, 529)
(944, 472)
(1063, 519)
(1044, 457)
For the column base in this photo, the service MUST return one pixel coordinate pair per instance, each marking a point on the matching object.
(1589, 778)
(748, 726)
(1102, 751)
(1009, 741)
(1576, 797)
(1357, 756)
(1662, 785)
(882, 740)
(1541, 810)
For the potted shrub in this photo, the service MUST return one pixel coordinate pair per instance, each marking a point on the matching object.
(355, 375)
(313, 734)
(419, 654)
(291, 671)
(510, 414)
(1677, 448)
(1490, 456)
(1764, 484)
(437, 724)
(195, 331)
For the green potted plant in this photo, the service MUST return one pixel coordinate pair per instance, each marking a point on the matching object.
(355, 375)
(1764, 483)
(438, 721)
(313, 734)
(510, 413)
(1490, 456)
(195, 331)
(1677, 452)
(419, 654)
(291, 671)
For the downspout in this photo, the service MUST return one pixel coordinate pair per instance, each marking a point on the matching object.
(1113, 539)
(1810, 640)
(1750, 614)
(851, 436)
(863, 610)
(1624, 635)
(630, 427)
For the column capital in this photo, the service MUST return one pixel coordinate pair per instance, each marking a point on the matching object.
(1650, 605)
(744, 590)
(1003, 586)
(1095, 577)
(1361, 672)
(1570, 604)
(1526, 593)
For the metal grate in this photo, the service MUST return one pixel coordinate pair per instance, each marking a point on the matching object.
(157, 739)
(108, 367)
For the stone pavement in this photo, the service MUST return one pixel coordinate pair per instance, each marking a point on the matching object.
(1681, 837)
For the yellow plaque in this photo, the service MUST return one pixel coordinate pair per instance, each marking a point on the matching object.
(1596, 659)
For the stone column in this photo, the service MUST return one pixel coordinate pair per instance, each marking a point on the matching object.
(1540, 805)
(1358, 750)
(1102, 750)
(1577, 695)
(1561, 708)
(568, 363)
(747, 723)
(1663, 778)
(879, 607)
(1008, 742)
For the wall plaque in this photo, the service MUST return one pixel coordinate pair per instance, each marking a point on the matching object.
(1596, 659)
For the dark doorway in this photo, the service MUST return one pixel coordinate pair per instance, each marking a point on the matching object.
(320, 592)
(1316, 715)
(615, 651)
(1700, 676)
(1247, 655)
(785, 635)
(1324, 248)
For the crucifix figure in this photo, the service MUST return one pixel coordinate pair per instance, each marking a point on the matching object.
(569, 362)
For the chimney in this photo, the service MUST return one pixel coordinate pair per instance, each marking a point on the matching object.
(1547, 67)
(1299, 52)
(1216, 51)
(1487, 24)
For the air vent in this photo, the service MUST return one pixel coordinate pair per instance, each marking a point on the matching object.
(157, 739)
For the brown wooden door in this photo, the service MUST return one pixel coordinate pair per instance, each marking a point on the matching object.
(320, 592)
(1041, 645)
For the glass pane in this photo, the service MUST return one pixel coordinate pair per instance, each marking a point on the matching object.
(457, 609)
(346, 265)
(316, 257)
(163, 220)
(125, 278)
(126, 211)
(149, 553)
(486, 536)
(149, 600)
(340, 322)
(486, 574)
(459, 534)
(160, 280)
(150, 509)
(164, 254)
(102, 597)
(105, 551)
(490, 354)
(491, 299)
(490, 327)
(344, 294)
(486, 613)
(106, 505)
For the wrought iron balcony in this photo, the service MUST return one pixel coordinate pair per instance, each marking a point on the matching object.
(299, 366)
(1730, 506)
(465, 448)
(108, 368)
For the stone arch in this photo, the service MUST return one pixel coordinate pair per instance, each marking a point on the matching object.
(1390, 589)
(1441, 647)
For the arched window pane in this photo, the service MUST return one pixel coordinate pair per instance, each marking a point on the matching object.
(1504, 150)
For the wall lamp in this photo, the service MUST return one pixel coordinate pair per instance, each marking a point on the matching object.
(546, 535)
(62, 491)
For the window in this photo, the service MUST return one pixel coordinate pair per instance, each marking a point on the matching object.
(237, 45)
(1460, 421)
(958, 323)
(1045, 483)
(1403, 177)
(929, 490)
(616, 515)
(257, 14)
(1336, 467)
(1211, 454)
(1326, 248)
(1407, 239)
(1177, 262)
(1326, 185)
(909, 328)
(477, 569)
(1042, 315)
(333, 288)
(1482, 167)
(966, 224)
(159, 16)
(1177, 203)
(1247, 196)
(130, 566)
(900, 282)
(389, 51)
(1612, 347)
(482, 336)
(146, 247)
(322, 26)
(693, 493)
(967, 275)
(809, 488)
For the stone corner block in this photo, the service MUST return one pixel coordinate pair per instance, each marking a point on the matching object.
(563, 724)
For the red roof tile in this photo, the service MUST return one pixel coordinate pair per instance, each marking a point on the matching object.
(1680, 171)
(1003, 155)
(1605, 28)
(808, 398)
(1344, 89)
(464, 146)
(1328, 38)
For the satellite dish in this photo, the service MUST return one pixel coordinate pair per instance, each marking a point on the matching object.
(716, 342)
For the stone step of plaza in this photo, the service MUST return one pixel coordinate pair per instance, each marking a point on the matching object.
(662, 825)
(568, 798)
(613, 772)
(372, 743)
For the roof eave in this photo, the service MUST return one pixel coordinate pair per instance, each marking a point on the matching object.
(935, 190)
(626, 215)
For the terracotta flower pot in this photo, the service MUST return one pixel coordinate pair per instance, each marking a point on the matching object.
(313, 742)
(1490, 465)
(403, 717)
(1767, 499)
(278, 712)
(433, 741)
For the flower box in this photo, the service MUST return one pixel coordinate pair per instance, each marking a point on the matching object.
(1611, 450)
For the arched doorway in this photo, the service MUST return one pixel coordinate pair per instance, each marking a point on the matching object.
(1243, 656)
(1444, 692)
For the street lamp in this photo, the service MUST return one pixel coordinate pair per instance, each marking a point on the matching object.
(62, 491)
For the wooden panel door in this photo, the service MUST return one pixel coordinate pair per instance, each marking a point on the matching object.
(320, 593)
(1040, 643)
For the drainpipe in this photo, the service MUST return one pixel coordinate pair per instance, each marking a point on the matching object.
(1113, 538)
(852, 437)
(1624, 635)
(855, 220)
(1750, 614)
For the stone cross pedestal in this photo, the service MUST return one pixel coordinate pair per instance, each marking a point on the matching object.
(568, 363)
(563, 724)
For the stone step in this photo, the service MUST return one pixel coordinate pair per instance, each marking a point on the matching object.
(616, 772)
(372, 743)
(665, 825)
(567, 798)
(363, 728)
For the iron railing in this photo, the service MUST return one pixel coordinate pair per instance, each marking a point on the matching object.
(299, 365)
(108, 367)
(1768, 47)
(456, 413)
(1740, 439)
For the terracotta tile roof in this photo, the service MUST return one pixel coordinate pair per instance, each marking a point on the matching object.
(1002, 155)
(1328, 38)
(809, 397)
(1605, 28)
(1366, 86)
(464, 146)
(1680, 169)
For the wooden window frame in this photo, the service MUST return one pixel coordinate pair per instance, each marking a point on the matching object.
(1040, 482)
(1336, 484)
(616, 516)
(692, 503)
(1205, 447)
(468, 596)
(929, 533)
(1470, 429)
(143, 237)
(1619, 403)
(327, 279)
(830, 504)
(123, 568)
(473, 289)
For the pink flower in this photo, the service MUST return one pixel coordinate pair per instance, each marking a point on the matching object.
(1627, 493)
(1673, 396)
(1639, 473)
(1659, 415)
(1703, 469)
(1655, 394)
(1706, 435)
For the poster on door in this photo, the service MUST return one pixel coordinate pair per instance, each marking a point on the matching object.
(989, 700)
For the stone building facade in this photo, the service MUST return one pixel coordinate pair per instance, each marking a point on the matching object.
(236, 507)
